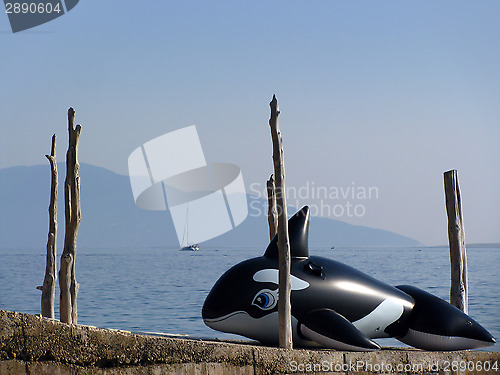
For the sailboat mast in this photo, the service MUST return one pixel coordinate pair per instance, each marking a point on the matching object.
(185, 235)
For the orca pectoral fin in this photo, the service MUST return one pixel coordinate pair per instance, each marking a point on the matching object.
(332, 330)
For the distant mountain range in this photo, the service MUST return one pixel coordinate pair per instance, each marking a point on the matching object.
(110, 217)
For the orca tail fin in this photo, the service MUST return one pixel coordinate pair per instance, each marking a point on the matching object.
(434, 324)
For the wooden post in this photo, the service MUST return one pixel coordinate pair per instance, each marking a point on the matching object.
(67, 280)
(284, 306)
(49, 282)
(456, 238)
(272, 216)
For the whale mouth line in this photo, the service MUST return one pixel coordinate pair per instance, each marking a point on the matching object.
(225, 317)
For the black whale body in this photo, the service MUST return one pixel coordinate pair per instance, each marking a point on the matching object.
(333, 305)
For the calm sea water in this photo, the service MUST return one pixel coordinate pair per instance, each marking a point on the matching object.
(163, 289)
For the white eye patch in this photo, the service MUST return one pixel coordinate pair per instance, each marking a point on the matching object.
(270, 275)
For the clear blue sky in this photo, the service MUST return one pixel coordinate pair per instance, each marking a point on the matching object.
(384, 94)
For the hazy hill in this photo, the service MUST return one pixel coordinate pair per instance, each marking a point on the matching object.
(110, 217)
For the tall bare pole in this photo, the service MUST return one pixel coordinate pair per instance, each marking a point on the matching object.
(456, 238)
(67, 279)
(284, 305)
(49, 283)
(272, 216)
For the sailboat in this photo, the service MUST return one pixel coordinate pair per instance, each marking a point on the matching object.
(193, 247)
(185, 237)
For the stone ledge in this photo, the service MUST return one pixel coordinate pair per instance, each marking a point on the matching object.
(33, 345)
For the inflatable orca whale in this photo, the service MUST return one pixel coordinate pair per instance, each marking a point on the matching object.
(333, 305)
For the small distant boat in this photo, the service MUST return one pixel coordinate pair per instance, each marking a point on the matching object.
(185, 240)
(193, 247)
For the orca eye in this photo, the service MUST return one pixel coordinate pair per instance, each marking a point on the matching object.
(265, 299)
(262, 300)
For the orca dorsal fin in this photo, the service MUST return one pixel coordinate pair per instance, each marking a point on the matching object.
(298, 234)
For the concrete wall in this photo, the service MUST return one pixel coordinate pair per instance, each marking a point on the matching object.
(34, 345)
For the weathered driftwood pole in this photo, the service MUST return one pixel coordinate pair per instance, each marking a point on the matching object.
(49, 282)
(272, 216)
(67, 280)
(456, 238)
(284, 306)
